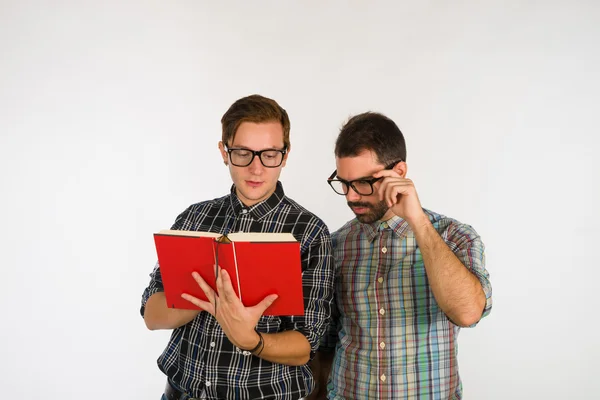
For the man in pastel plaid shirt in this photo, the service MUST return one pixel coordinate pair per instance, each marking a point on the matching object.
(407, 278)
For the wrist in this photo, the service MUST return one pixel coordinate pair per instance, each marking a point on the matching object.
(256, 350)
(418, 222)
(252, 343)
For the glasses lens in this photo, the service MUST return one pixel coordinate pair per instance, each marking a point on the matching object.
(271, 158)
(240, 157)
(363, 187)
(339, 187)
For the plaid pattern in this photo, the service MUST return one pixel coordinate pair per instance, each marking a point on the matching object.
(392, 340)
(199, 357)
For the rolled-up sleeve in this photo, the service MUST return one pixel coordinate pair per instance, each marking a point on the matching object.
(317, 281)
(468, 247)
(154, 286)
(156, 283)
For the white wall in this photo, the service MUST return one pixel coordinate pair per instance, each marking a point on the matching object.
(109, 121)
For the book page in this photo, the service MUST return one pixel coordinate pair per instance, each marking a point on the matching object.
(261, 237)
(188, 233)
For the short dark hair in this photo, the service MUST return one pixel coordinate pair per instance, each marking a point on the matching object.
(254, 108)
(371, 131)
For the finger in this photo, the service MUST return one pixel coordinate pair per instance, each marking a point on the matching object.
(225, 287)
(382, 188)
(393, 190)
(386, 172)
(265, 303)
(404, 187)
(204, 305)
(385, 186)
(208, 291)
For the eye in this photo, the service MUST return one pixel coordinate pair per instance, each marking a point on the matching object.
(362, 183)
(270, 154)
(242, 153)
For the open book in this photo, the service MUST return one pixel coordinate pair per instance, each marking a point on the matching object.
(259, 264)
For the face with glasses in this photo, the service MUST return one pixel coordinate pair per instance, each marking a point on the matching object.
(354, 179)
(255, 158)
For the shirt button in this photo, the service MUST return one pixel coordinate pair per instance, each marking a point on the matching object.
(381, 311)
(244, 211)
(212, 344)
(382, 345)
(384, 250)
(207, 383)
(380, 280)
(382, 377)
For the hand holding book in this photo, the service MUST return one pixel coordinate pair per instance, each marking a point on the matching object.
(236, 320)
(257, 265)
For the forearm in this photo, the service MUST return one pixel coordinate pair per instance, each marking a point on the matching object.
(158, 316)
(289, 348)
(457, 291)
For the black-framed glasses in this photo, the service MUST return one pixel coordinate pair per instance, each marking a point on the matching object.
(363, 187)
(270, 158)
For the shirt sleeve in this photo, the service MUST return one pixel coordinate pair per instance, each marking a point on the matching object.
(156, 284)
(317, 282)
(468, 247)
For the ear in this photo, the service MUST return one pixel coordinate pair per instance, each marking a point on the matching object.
(224, 154)
(401, 169)
(286, 156)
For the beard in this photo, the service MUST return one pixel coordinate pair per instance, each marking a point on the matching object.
(375, 213)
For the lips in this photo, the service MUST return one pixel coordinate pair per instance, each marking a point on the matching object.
(254, 184)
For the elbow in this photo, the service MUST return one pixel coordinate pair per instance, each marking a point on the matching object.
(300, 361)
(151, 325)
(467, 319)
(152, 322)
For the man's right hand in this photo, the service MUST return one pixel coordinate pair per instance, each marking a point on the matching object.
(157, 315)
(236, 320)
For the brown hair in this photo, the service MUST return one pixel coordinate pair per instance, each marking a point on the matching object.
(371, 131)
(257, 109)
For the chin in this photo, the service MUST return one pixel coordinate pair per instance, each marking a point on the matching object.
(366, 219)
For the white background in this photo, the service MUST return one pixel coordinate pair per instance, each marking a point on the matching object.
(109, 123)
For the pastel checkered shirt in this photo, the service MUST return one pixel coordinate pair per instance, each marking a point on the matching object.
(393, 340)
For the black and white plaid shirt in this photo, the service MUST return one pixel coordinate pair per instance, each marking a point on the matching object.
(199, 357)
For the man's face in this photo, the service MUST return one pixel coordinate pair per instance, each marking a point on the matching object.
(255, 182)
(367, 209)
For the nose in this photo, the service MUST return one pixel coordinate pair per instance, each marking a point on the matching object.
(256, 166)
(352, 195)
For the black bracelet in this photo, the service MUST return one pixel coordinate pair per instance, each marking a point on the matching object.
(261, 349)
(260, 343)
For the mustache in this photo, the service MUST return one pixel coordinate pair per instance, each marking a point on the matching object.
(359, 204)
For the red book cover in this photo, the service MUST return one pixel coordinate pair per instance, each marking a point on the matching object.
(259, 264)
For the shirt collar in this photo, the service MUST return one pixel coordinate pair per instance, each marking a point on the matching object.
(399, 226)
(258, 210)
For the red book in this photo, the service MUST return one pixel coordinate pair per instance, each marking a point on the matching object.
(259, 264)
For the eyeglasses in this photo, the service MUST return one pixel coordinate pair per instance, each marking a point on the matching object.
(363, 187)
(270, 158)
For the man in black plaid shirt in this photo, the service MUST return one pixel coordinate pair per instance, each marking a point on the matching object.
(238, 353)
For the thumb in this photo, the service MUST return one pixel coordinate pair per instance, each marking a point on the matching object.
(266, 303)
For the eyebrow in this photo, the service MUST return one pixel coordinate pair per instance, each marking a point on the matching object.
(248, 148)
(362, 178)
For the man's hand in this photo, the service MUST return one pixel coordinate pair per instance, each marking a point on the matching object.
(400, 194)
(236, 320)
